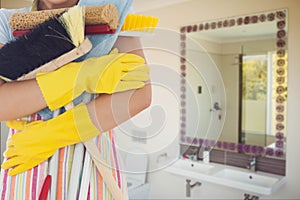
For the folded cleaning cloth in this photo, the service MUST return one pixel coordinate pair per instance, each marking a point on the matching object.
(102, 43)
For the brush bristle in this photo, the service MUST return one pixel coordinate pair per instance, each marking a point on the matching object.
(74, 22)
(46, 42)
(140, 23)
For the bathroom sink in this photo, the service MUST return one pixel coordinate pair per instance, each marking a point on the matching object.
(238, 178)
(191, 166)
(251, 181)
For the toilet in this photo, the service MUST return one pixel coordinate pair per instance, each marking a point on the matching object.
(136, 163)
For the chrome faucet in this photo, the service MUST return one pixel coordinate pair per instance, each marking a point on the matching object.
(161, 156)
(189, 186)
(252, 164)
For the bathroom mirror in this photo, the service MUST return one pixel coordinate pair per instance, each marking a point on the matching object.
(250, 54)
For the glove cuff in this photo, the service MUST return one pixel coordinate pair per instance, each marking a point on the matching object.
(85, 128)
(59, 87)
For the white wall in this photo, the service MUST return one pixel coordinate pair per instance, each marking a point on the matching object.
(159, 123)
(201, 10)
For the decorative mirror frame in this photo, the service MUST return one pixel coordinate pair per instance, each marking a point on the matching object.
(280, 17)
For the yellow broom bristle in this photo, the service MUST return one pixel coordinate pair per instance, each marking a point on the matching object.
(140, 23)
(74, 22)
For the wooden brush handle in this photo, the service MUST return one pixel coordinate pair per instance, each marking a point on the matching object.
(105, 14)
(104, 171)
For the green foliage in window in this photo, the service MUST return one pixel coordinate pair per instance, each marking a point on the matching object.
(255, 79)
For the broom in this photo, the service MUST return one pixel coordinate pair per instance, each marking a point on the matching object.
(46, 42)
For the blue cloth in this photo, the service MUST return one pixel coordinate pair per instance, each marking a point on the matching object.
(102, 44)
(6, 35)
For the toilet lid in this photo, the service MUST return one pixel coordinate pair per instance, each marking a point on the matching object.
(136, 163)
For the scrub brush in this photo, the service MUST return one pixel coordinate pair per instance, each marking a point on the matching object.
(138, 25)
(47, 42)
(98, 19)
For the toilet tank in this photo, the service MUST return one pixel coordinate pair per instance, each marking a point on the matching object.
(136, 163)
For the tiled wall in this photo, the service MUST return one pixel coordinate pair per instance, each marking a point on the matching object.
(264, 164)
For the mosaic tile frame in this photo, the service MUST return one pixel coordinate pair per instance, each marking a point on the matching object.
(280, 17)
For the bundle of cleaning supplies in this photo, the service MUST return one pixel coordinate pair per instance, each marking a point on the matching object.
(46, 42)
(97, 20)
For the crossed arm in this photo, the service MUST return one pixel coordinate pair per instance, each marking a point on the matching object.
(19, 99)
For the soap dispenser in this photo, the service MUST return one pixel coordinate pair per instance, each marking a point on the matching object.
(206, 154)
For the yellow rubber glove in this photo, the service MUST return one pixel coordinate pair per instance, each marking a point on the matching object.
(39, 140)
(106, 74)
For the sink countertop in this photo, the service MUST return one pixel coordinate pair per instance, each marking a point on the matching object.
(211, 172)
